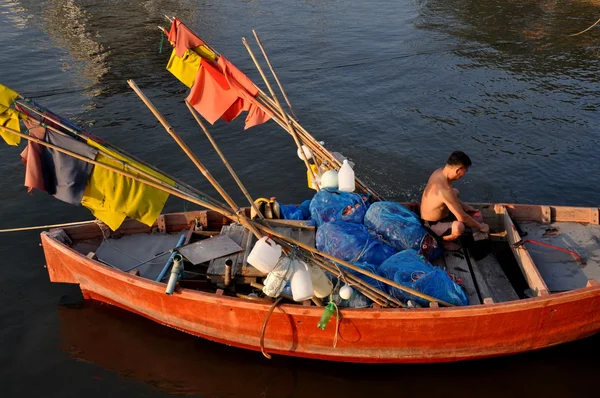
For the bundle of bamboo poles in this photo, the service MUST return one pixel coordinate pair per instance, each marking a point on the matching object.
(232, 211)
(324, 159)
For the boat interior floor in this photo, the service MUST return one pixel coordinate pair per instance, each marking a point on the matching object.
(490, 271)
(560, 270)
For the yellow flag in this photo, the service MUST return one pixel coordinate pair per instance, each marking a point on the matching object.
(9, 117)
(111, 196)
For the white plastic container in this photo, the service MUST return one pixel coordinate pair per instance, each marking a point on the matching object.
(307, 153)
(302, 287)
(276, 280)
(264, 255)
(329, 179)
(346, 178)
(322, 286)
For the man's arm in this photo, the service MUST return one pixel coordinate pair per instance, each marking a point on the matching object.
(456, 207)
(467, 208)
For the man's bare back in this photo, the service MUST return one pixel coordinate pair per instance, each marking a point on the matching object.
(441, 209)
(433, 204)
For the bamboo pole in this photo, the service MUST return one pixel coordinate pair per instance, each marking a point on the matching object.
(160, 186)
(383, 298)
(273, 72)
(68, 224)
(352, 267)
(195, 160)
(237, 217)
(266, 104)
(118, 150)
(224, 160)
(286, 118)
(372, 293)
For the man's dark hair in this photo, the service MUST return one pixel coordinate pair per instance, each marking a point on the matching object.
(459, 158)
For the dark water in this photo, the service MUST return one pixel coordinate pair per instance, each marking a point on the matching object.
(393, 85)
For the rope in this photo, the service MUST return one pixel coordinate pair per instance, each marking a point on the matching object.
(585, 30)
(264, 328)
(162, 41)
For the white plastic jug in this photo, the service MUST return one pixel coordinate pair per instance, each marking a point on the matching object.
(302, 287)
(264, 255)
(346, 178)
(276, 280)
(322, 286)
(329, 179)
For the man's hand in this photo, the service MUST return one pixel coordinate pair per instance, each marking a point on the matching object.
(484, 228)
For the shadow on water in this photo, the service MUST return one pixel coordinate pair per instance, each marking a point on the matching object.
(173, 362)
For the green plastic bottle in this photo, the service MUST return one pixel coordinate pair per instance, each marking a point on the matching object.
(329, 310)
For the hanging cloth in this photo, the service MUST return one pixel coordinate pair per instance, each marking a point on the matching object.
(247, 91)
(9, 117)
(211, 95)
(184, 68)
(111, 196)
(59, 174)
(183, 38)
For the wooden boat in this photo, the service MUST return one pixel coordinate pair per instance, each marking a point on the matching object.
(563, 303)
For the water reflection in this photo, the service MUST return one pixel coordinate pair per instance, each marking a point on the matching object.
(528, 37)
(173, 362)
(111, 41)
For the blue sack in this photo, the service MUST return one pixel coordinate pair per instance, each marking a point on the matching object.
(401, 228)
(333, 205)
(409, 269)
(293, 212)
(352, 242)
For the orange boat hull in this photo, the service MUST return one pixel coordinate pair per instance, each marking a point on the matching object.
(365, 335)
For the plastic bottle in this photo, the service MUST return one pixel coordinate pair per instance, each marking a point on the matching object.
(322, 286)
(327, 313)
(346, 178)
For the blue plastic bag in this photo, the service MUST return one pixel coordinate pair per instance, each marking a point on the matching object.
(352, 242)
(293, 212)
(409, 269)
(333, 205)
(401, 228)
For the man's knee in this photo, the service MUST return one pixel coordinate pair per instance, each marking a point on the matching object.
(458, 228)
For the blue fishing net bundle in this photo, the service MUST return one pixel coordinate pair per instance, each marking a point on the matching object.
(352, 242)
(408, 268)
(401, 228)
(334, 205)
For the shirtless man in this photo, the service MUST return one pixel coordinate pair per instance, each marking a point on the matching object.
(441, 210)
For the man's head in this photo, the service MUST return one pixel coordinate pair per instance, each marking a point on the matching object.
(457, 165)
